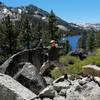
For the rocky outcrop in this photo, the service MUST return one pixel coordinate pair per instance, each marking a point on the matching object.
(85, 88)
(15, 62)
(91, 70)
(12, 90)
(30, 78)
(26, 70)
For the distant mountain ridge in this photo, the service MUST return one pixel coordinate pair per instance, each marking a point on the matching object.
(95, 26)
(31, 10)
(35, 12)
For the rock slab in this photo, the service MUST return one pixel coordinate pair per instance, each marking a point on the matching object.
(10, 89)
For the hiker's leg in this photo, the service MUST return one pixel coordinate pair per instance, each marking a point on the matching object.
(62, 69)
(60, 66)
(44, 67)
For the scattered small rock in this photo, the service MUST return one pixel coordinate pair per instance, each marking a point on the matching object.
(63, 92)
(48, 80)
(59, 98)
(46, 99)
(61, 85)
(48, 92)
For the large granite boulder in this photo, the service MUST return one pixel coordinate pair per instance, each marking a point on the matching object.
(35, 56)
(10, 89)
(91, 70)
(30, 78)
(26, 73)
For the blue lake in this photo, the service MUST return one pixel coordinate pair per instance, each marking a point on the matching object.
(73, 40)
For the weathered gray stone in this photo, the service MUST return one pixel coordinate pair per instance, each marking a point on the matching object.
(37, 99)
(48, 92)
(27, 74)
(30, 78)
(81, 89)
(82, 82)
(61, 85)
(97, 80)
(63, 92)
(48, 80)
(59, 98)
(60, 79)
(46, 99)
(10, 89)
(72, 95)
(88, 91)
(13, 64)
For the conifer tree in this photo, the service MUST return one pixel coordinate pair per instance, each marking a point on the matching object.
(52, 25)
(46, 38)
(26, 33)
(91, 41)
(83, 41)
(67, 47)
(10, 35)
(27, 36)
(98, 39)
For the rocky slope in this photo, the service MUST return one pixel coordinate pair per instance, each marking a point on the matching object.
(18, 67)
(13, 90)
(81, 88)
(36, 13)
(23, 82)
(74, 88)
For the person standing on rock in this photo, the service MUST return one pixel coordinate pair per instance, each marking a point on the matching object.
(53, 59)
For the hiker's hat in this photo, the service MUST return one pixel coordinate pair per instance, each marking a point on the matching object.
(52, 41)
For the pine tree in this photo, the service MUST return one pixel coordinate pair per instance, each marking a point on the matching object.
(98, 39)
(91, 41)
(83, 41)
(46, 38)
(26, 34)
(52, 25)
(10, 35)
(37, 33)
(66, 47)
(79, 44)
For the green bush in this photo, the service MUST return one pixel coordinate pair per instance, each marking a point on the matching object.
(55, 73)
(76, 68)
